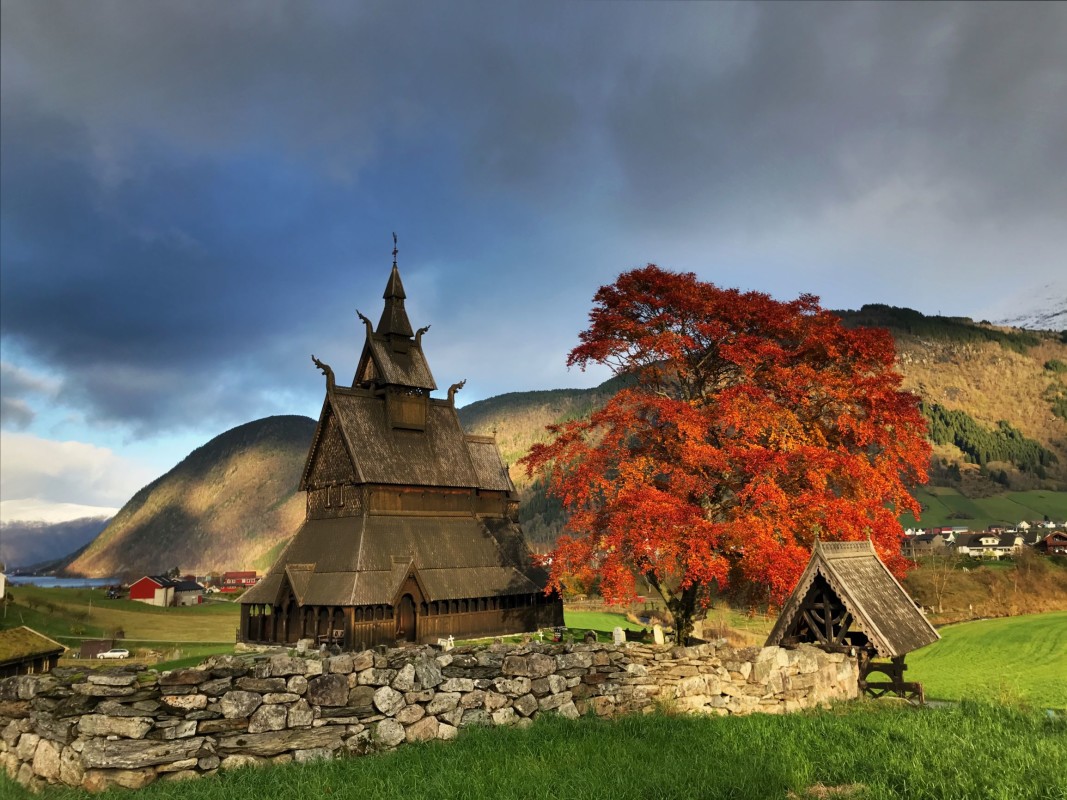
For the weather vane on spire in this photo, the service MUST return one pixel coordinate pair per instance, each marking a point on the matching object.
(395, 251)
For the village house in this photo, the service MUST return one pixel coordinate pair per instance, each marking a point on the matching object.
(988, 545)
(1055, 544)
(411, 531)
(159, 590)
(238, 581)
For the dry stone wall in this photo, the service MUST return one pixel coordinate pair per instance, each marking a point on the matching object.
(129, 727)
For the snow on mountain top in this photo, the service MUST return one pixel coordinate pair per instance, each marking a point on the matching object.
(1044, 308)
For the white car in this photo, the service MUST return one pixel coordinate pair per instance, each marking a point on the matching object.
(115, 652)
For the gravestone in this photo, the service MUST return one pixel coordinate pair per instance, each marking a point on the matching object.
(618, 636)
(657, 634)
(590, 637)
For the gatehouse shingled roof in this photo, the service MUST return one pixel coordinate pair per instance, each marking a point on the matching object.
(877, 602)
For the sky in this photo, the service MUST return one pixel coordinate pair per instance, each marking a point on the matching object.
(196, 196)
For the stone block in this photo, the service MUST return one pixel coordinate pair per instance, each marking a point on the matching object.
(185, 702)
(112, 678)
(273, 743)
(134, 754)
(27, 746)
(126, 727)
(388, 700)
(261, 685)
(328, 690)
(427, 672)
(552, 684)
(267, 718)
(525, 705)
(209, 726)
(443, 701)
(513, 687)
(376, 677)
(422, 730)
(299, 715)
(341, 664)
(457, 685)
(274, 698)
(284, 666)
(297, 684)
(389, 733)
(504, 716)
(361, 700)
(46, 761)
(240, 761)
(554, 701)
(183, 677)
(404, 681)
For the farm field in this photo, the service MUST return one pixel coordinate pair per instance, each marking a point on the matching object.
(874, 751)
(1018, 659)
(66, 615)
(946, 506)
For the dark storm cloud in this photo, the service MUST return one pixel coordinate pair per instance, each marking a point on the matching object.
(17, 387)
(828, 102)
(195, 195)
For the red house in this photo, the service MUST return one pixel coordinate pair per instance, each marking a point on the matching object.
(155, 590)
(1056, 544)
(235, 581)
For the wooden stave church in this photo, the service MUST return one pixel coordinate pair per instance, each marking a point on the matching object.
(411, 532)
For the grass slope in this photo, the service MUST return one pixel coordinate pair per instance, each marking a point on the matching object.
(874, 751)
(944, 506)
(65, 615)
(1017, 658)
(224, 506)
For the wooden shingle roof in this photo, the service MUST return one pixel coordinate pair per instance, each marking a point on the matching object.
(879, 606)
(455, 557)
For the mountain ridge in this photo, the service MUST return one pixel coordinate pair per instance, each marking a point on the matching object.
(232, 503)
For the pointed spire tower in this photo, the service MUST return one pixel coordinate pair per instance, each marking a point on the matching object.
(393, 362)
(394, 321)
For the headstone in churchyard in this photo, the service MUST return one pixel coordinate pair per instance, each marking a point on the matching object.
(657, 634)
(618, 636)
(590, 637)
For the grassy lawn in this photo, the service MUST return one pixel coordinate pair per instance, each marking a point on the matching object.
(875, 751)
(67, 615)
(1013, 658)
(601, 621)
(945, 506)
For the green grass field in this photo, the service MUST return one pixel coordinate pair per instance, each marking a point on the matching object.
(874, 751)
(945, 506)
(1012, 658)
(70, 615)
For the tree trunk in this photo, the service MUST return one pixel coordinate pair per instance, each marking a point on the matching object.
(682, 606)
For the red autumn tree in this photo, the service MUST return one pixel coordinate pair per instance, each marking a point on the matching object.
(752, 427)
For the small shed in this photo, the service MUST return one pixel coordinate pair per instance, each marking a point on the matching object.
(24, 651)
(848, 601)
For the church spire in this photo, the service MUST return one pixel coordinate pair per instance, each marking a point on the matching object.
(394, 319)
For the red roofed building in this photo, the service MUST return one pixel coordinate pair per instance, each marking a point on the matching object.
(236, 581)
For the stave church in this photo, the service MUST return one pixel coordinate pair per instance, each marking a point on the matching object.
(411, 533)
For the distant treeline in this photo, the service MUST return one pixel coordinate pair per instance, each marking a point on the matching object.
(954, 329)
(982, 445)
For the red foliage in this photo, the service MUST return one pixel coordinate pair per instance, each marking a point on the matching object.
(753, 426)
